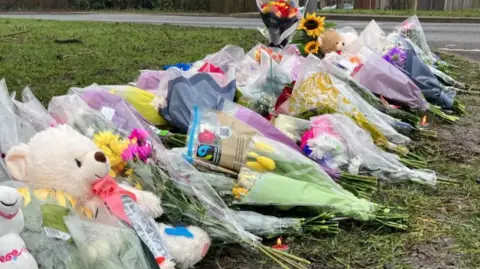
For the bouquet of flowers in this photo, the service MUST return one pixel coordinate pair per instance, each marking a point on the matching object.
(339, 141)
(276, 175)
(281, 19)
(315, 94)
(412, 29)
(176, 180)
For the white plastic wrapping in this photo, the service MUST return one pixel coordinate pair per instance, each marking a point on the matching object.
(360, 147)
(412, 29)
(381, 121)
(375, 38)
(104, 246)
(32, 111)
(14, 130)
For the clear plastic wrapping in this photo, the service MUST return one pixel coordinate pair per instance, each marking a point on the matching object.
(361, 152)
(281, 19)
(32, 111)
(45, 233)
(15, 130)
(314, 93)
(412, 29)
(104, 246)
(274, 174)
(218, 138)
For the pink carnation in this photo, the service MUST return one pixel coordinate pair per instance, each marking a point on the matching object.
(139, 134)
(306, 136)
(206, 137)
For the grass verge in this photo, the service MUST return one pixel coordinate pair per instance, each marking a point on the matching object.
(444, 221)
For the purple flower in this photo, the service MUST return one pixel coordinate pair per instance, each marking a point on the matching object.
(396, 56)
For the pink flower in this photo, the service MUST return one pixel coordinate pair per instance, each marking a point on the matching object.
(136, 151)
(129, 153)
(139, 134)
(144, 152)
(306, 136)
(206, 137)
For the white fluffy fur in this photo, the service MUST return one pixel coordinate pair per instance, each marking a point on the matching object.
(50, 161)
(10, 229)
(186, 251)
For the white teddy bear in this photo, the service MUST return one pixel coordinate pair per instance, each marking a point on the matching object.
(13, 252)
(62, 159)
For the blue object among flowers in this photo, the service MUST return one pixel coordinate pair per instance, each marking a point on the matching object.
(181, 66)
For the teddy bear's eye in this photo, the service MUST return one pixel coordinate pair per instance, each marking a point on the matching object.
(79, 164)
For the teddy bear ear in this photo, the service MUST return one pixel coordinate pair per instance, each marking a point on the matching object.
(16, 161)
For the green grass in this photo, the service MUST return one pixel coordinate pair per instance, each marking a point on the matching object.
(110, 53)
(444, 223)
(420, 13)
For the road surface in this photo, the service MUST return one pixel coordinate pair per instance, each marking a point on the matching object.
(462, 39)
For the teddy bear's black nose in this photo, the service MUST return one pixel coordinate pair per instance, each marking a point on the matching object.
(100, 157)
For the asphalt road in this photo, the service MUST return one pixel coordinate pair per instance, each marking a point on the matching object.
(462, 39)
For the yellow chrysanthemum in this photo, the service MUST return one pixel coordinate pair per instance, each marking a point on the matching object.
(312, 24)
(312, 47)
(238, 192)
(104, 138)
(118, 146)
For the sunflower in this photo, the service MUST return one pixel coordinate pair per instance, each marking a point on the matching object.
(312, 24)
(312, 47)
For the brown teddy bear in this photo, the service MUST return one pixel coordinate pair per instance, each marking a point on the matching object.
(331, 42)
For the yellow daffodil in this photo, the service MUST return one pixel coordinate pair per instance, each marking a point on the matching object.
(257, 167)
(263, 147)
(267, 163)
(312, 47)
(253, 155)
(312, 24)
(238, 192)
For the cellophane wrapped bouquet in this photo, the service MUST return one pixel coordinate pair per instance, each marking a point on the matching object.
(275, 175)
(281, 18)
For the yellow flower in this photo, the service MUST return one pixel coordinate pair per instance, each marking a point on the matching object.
(312, 47)
(118, 146)
(25, 192)
(263, 147)
(138, 186)
(256, 166)
(129, 172)
(238, 192)
(312, 24)
(267, 163)
(104, 138)
(253, 155)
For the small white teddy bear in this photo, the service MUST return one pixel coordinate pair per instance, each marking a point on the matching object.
(13, 252)
(60, 158)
